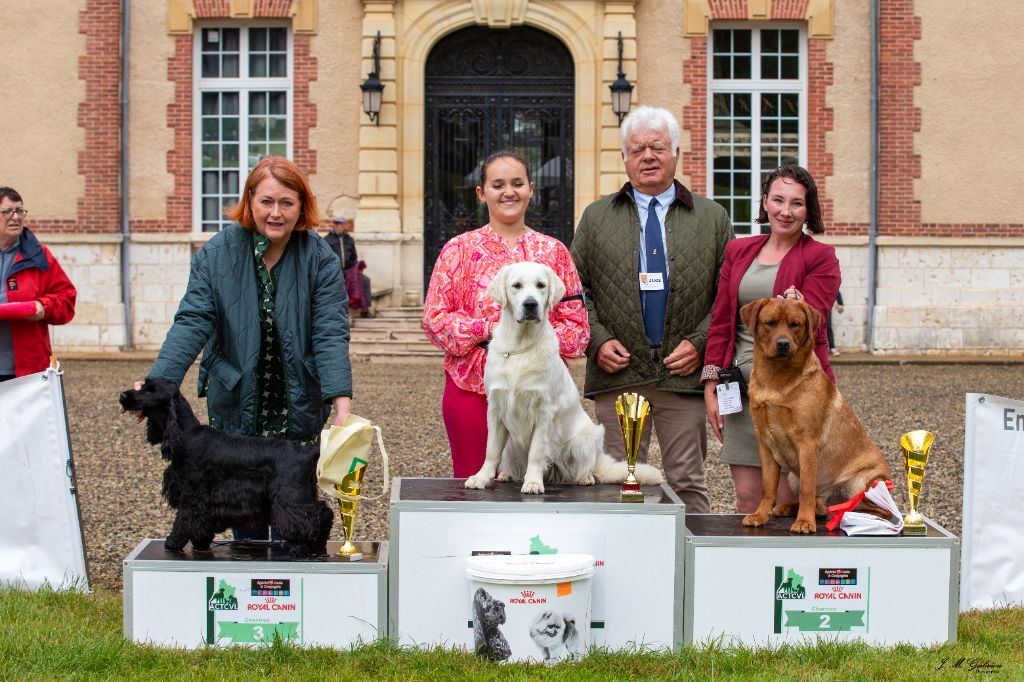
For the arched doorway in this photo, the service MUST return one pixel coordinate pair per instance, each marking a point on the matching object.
(486, 89)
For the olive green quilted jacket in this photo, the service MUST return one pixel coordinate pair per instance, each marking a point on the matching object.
(606, 249)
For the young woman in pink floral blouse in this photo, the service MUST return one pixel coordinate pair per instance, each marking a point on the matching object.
(459, 316)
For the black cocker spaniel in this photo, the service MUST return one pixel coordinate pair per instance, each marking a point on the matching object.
(216, 480)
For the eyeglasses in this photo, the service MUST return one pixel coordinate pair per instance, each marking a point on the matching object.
(8, 212)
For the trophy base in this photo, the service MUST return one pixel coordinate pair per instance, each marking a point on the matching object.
(348, 553)
(631, 495)
(913, 524)
(355, 556)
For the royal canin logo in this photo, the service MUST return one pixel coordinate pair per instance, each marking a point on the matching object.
(528, 597)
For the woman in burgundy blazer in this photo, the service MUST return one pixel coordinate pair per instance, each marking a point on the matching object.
(807, 270)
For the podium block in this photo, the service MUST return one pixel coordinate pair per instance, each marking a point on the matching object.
(252, 593)
(764, 586)
(436, 524)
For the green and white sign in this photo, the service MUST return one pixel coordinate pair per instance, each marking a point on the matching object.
(814, 598)
(192, 603)
(253, 610)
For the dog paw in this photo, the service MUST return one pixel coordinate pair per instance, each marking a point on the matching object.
(174, 545)
(587, 479)
(502, 476)
(532, 487)
(803, 526)
(755, 519)
(477, 482)
(786, 509)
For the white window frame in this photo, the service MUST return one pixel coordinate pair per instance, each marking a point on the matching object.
(243, 85)
(755, 86)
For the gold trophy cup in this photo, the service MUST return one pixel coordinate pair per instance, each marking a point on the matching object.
(632, 409)
(348, 504)
(915, 446)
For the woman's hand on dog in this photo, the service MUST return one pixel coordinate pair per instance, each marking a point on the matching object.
(612, 356)
(711, 406)
(135, 413)
(792, 293)
(342, 409)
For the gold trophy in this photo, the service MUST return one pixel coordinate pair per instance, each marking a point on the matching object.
(915, 446)
(348, 504)
(632, 409)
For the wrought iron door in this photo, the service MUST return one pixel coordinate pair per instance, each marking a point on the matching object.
(489, 89)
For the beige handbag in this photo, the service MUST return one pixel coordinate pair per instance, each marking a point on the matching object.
(345, 449)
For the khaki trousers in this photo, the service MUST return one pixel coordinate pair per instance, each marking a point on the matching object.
(679, 420)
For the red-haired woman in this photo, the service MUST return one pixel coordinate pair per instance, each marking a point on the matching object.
(266, 306)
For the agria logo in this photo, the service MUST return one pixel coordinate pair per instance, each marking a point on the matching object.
(224, 598)
(792, 587)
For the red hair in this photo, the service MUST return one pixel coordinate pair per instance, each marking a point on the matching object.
(289, 175)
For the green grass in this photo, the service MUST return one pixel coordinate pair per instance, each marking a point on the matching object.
(68, 635)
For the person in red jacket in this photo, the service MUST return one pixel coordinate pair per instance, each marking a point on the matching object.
(29, 273)
(787, 262)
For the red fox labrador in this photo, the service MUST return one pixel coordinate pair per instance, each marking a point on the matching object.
(801, 420)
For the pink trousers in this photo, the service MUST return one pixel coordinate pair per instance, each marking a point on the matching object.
(465, 420)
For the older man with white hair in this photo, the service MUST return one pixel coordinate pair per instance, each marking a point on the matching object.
(648, 256)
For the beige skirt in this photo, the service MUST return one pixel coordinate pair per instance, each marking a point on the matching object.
(740, 446)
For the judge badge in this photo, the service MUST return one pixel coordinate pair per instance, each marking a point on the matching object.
(651, 281)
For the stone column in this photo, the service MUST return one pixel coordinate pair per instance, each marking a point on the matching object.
(618, 16)
(378, 144)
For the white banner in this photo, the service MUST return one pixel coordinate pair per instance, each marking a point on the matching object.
(41, 535)
(992, 560)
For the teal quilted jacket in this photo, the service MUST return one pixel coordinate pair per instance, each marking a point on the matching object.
(219, 315)
(606, 248)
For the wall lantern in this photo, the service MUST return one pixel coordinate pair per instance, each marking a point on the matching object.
(622, 90)
(373, 89)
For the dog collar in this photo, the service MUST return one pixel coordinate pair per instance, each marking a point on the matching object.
(517, 352)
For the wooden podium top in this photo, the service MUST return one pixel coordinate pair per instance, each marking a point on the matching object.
(251, 550)
(454, 490)
(730, 526)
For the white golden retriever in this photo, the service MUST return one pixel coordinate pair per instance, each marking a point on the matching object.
(537, 430)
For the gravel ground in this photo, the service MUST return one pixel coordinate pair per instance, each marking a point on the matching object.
(119, 474)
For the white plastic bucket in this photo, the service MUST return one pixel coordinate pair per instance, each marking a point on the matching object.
(532, 607)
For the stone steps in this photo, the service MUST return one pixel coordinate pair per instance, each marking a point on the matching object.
(395, 335)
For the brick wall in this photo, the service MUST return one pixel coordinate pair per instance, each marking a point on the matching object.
(694, 119)
(100, 116)
(727, 9)
(899, 212)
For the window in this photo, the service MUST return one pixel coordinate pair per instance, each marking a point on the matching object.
(757, 120)
(243, 99)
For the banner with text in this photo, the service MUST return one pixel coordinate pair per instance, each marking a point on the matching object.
(992, 560)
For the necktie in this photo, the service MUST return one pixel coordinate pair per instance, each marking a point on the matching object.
(654, 301)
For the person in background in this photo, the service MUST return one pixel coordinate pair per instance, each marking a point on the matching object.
(459, 316)
(787, 262)
(648, 256)
(357, 284)
(29, 273)
(266, 306)
(838, 307)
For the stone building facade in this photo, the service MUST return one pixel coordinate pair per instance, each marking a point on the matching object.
(138, 121)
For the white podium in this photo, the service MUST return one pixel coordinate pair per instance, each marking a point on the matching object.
(436, 524)
(253, 593)
(764, 586)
